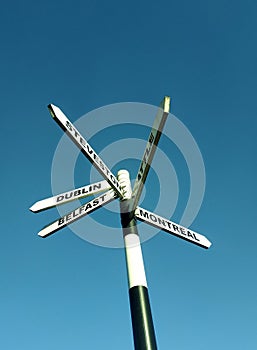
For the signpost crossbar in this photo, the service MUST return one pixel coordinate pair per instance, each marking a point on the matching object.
(78, 213)
(66, 197)
(85, 148)
(172, 227)
(150, 150)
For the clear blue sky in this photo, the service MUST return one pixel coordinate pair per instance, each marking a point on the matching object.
(64, 293)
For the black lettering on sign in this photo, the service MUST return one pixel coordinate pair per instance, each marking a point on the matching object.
(192, 235)
(68, 217)
(162, 222)
(82, 141)
(101, 165)
(175, 227)
(169, 224)
(96, 158)
(153, 218)
(144, 214)
(76, 133)
(60, 221)
(68, 195)
(102, 197)
(77, 193)
(88, 206)
(151, 138)
(84, 190)
(95, 202)
(90, 151)
(68, 125)
(59, 198)
(189, 234)
(81, 209)
(195, 237)
(97, 186)
(74, 214)
(147, 151)
(182, 230)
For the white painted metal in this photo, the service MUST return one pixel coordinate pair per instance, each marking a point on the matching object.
(85, 148)
(150, 149)
(134, 257)
(172, 227)
(123, 177)
(69, 196)
(78, 213)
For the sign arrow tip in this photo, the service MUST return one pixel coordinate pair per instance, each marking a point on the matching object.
(46, 231)
(33, 208)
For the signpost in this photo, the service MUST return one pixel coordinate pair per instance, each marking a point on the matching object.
(69, 196)
(85, 148)
(120, 187)
(78, 213)
(150, 149)
(172, 228)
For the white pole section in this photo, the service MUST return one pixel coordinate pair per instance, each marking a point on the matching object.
(141, 316)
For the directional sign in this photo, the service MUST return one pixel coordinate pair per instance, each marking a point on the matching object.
(172, 227)
(69, 196)
(78, 213)
(85, 148)
(150, 149)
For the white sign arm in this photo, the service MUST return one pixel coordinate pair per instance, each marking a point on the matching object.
(78, 213)
(69, 196)
(85, 148)
(150, 149)
(172, 228)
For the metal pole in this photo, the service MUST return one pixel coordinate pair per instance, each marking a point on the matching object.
(141, 316)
